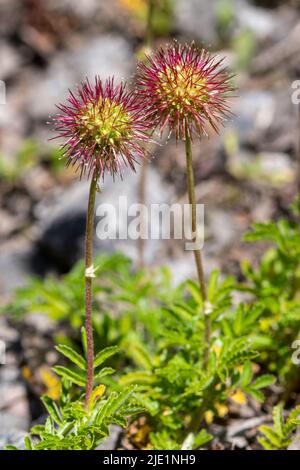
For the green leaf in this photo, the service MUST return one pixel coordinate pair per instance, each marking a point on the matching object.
(104, 372)
(138, 353)
(105, 354)
(263, 381)
(28, 443)
(37, 429)
(278, 419)
(84, 340)
(138, 377)
(259, 396)
(195, 291)
(213, 285)
(202, 438)
(70, 375)
(294, 414)
(105, 409)
(52, 408)
(247, 374)
(266, 444)
(120, 399)
(71, 354)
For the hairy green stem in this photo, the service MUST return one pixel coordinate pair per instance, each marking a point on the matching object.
(89, 274)
(197, 252)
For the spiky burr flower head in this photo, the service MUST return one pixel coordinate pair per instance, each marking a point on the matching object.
(102, 126)
(185, 88)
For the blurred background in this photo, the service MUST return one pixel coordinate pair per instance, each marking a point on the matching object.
(246, 174)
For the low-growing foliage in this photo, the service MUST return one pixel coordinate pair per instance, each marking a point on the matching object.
(72, 426)
(160, 330)
(179, 393)
(274, 285)
(280, 435)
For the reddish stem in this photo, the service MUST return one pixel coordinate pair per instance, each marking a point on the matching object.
(88, 287)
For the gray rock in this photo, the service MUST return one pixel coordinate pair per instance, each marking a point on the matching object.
(62, 216)
(267, 168)
(112, 441)
(9, 59)
(295, 445)
(10, 422)
(10, 14)
(265, 119)
(239, 426)
(13, 437)
(85, 11)
(254, 112)
(223, 229)
(264, 23)
(196, 19)
(14, 268)
(107, 55)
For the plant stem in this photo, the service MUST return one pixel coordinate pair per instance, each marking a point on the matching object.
(89, 274)
(197, 252)
(149, 34)
(144, 164)
(142, 200)
(298, 166)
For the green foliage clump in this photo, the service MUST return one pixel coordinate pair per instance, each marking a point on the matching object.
(159, 328)
(174, 384)
(280, 435)
(70, 424)
(274, 285)
(124, 300)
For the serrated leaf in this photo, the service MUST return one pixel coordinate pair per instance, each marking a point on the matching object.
(266, 444)
(278, 419)
(257, 394)
(195, 291)
(213, 285)
(52, 409)
(139, 354)
(247, 374)
(263, 381)
(28, 443)
(71, 354)
(70, 375)
(104, 410)
(202, 438)
(120, 399)
(105, 354)
(271, 435)
(37, 429)
(138, 377)
(104, 372)
(294, 414)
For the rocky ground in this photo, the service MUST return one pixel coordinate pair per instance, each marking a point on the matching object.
(247, 174)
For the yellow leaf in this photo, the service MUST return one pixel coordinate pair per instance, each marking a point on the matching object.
(239, 397)
(26, 372)
(51, 382)
(217, 349)
(208, 416)
(97, 393)
(134, 6)
(221, 409)
(265, 324)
